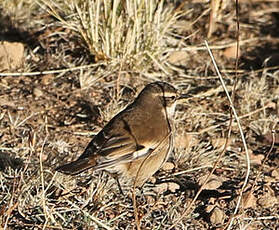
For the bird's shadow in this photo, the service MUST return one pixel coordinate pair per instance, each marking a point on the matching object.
(6, 161)
(189, 187)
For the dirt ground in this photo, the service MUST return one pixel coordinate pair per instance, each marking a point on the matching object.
(48, 118)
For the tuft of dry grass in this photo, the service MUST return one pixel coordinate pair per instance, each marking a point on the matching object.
(125, 36)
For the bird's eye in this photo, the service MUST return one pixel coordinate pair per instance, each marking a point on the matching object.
(171, 99)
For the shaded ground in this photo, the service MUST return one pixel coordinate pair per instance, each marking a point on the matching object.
(48, 119)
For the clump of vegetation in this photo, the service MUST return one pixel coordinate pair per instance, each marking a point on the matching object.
(122, 35)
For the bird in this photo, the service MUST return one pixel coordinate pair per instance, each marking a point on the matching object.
(137, 141)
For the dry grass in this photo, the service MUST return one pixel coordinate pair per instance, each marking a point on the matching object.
(47, 119)
(129, 36)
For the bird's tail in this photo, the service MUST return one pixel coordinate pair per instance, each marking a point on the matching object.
(77, 166)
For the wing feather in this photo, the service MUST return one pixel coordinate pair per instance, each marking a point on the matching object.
(114, 145)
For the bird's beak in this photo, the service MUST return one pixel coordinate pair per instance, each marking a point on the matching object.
(184, 97)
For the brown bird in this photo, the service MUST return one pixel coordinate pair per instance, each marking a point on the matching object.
(137, 141)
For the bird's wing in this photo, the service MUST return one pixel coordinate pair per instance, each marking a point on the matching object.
(113, 145)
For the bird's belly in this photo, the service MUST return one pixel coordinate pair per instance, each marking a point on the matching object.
(142, 169)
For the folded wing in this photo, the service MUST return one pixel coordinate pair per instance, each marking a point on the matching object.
(110, 147)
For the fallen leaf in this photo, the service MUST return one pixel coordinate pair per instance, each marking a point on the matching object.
(38, 92)
(178, 57)
(160, 188)
(275, 173)
(4, 101)
(217, 216)
(150, 200)
(249, 200)
(230, 52)
(267, 200)
(11, 55)
(256, 159)
(47, 79)
(167, 186)
(168, 166)
(213, 183)
(173, 187)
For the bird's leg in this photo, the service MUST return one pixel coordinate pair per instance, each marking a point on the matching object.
(115, 177)
(119, 186)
